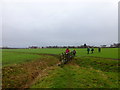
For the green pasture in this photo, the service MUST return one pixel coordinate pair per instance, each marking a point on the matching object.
(105, 52)
(15, 56)
(85, 71)
(9, 58)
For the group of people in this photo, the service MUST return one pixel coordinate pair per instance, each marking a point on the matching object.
(88, 50)
(68, 51)
(92, 50)
(67, 56)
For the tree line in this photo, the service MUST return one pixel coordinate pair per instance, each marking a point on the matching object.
(114, 45)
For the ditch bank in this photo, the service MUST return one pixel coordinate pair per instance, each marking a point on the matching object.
(22, 75)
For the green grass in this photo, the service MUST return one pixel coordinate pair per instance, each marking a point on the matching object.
(85, 71)
(38, 51)
(15, 56)
(9, 58)
(98, 63)
(82, 73)
(105, 52)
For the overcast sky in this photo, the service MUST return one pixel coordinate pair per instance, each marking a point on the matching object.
(63, 22)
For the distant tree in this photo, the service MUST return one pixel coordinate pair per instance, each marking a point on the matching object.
(33, 47)
(85, 45)
(103, 46)
(5, 47)
(115, 45)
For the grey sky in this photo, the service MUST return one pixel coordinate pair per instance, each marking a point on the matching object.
(26, 23)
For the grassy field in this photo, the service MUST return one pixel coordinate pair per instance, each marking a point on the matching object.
(82, 73)
(105, 52)
(15, 58)
(37, 68)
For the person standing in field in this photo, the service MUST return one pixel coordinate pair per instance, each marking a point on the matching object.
(67, 51)
(99, 49)
(74, 52)
(88, 50)
(92, 50)
(67, 54)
